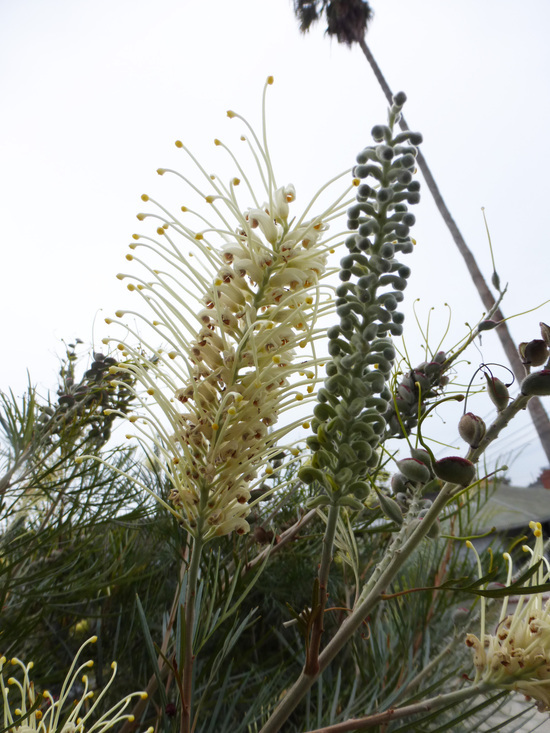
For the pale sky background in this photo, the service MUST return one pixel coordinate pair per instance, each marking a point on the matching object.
(95, 93)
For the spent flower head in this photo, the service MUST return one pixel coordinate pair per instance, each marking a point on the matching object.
(236, 316)
(73, 711)
(517, 656)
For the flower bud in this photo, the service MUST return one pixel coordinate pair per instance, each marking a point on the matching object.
(455, 470)
(537, 383)
(309, 474)
(498, 392)
(471, 429)
(414, 470)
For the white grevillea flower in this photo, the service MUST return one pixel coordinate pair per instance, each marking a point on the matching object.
(231, 316)
(70, 712)
(517, 656)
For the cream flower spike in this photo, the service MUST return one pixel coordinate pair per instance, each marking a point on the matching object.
(231, 297)
(71, 712)
(517, 656)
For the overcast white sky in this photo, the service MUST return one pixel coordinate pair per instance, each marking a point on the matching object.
(95, 93)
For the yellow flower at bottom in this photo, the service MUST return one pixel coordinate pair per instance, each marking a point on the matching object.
(517, 656)
(47, 717)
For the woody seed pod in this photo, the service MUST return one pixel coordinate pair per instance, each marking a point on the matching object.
(471, 429)
(455, 470)
(537, 383)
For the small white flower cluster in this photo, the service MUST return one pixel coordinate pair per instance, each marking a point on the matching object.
(63, 714)
(231, 359)
(517, 656)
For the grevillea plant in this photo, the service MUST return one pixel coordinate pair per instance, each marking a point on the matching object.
(261, 385)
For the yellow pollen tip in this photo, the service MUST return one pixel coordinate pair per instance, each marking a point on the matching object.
(130, 257)
(120, 347)
(299, 397)
(306, 425)
(537, 533)
(215, 426)
(141, 217)
(469, 545)
(133, 418)
(199, 236)
(413, 241)
(135, 236)
(179, 144)
(120, 276)
(295, 452)
(217, 142)
(243, 138)
(143, 696)
(332, 251)
(276, 359)
(131, 287)
(525, 548)
(38, 715)
(303, 344)
(172, 354)
(105, 340)
(161, 171)
(355, 182)
(236, 181)
(160, 230)
(119, 314)
(184, 208)
(151, 391)
(231, 114)
(270, 80)
(231, 411)
(144, 197)
(310, 388)
(210, 199)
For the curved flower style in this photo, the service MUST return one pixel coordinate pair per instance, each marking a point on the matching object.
(230, 366)
(64, 714)
(517, 657)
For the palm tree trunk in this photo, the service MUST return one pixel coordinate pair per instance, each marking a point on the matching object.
(538, 413)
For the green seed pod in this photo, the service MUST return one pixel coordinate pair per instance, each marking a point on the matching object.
(537, 383)
(390, 508)
(534, 353)
(434, 531)
(309, 474)
(398, 482)
(498, 392)
(455, 470)
(414, 470)
(487, 325)
(422, 455)
(471, 429)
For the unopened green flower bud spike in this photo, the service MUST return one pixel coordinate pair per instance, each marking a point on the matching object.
(349, 420)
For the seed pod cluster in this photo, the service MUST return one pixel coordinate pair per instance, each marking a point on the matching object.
(413, 392)
(349, 417)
